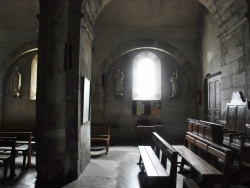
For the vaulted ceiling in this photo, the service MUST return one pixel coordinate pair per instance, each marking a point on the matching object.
(18, 24)
(152, 13)
(180, 19)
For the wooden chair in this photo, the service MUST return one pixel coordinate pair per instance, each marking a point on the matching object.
(8, 158)
(101, 134)
(236, 121)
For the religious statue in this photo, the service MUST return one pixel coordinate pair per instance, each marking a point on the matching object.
(174, 80)
(15, 83)
(118, 77)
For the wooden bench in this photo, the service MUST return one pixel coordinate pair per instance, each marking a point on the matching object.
(8, 159)
(22, 144)
(189, 183)
(205, 157)
(153, 160)
(101, 134)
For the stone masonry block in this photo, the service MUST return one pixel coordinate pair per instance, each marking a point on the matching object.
(232, 21)
(216, 16)
(239, 79)
(227, 4)
(226, 15)
(235, 8)
(219, 3)
(227, 82)
(230, 91)
(213, 9)
(209, 3)
(234, 42)
(230, 69)
(223, 94)
(234, 54)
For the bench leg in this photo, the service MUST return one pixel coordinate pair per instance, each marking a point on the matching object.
(13, 166)
(6, 164)
(141, 164)
(192, 174)
(24, 159)
(183, 161)
(107, 147)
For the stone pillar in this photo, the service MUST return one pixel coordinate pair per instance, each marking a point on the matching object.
(50, 106)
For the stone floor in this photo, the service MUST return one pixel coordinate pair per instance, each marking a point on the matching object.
(118, 169)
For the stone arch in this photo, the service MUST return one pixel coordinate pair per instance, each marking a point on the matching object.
(10, 60)
(16, 54)
(152, 44)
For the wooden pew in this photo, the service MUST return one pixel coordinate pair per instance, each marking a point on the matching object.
(8, 158)
(214, 156)
(101, 134)
(23, 145)
(189, 143)
(204, 160)
(189, 183)
(153, 160)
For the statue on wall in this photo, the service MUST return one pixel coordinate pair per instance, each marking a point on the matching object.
(119, 77)
(15, 83)
(174, 80)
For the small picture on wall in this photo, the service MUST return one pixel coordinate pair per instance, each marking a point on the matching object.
(85, 99)
(155, 108)
(146, 107)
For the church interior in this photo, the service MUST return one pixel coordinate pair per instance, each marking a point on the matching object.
(85, 83)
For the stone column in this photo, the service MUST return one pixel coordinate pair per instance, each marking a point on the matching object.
(50, 106)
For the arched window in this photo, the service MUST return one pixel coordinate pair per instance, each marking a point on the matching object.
(146, 77)
(33, 78)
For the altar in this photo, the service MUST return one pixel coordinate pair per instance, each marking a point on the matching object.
(145, 133)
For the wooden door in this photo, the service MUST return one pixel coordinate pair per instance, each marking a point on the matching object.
(214, 97)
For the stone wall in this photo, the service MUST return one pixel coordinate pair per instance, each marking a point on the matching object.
(235, 52)
(173, 110)
(210, 55)
(233, 39)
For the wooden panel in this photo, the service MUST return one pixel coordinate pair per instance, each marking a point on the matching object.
(217, 94)
(208, 133)
(241, 119)
(196, 162)
(190, 142)
(211, 95)
(189, 183)
(190, 127)
(217, 105)
(201, 144)
(217, 133)
(195, 129)
(214, 97)
(201, 131)
(200, 149)
(216, 153)
(231, 118)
